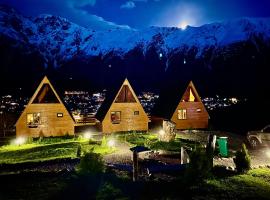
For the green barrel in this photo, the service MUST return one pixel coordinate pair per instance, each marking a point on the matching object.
(223, 149)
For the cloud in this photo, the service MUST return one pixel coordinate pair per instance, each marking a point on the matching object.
(70, 9)
(128, 5)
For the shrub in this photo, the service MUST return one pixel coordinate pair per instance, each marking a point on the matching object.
(79, 150)
(91, 164)
(200, 166)
(108, 191)
(104, 142)
(242, 160)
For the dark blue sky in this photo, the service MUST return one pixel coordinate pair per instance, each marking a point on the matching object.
(143, 13)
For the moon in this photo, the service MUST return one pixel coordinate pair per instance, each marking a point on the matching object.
(183, 24)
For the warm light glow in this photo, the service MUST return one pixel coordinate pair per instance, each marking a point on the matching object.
(87, 135)
(19, 141)
(191, 96)
(183, 25)
(111, 143)
(161, 132)
(268, 153)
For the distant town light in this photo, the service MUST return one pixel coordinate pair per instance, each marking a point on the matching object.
(160, 55)
(19, 141)
(87, 135)
(184, 61)
(111, 143)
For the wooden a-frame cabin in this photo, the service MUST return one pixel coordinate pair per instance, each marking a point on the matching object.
(45, 115)
(188, 113)
(122, 111)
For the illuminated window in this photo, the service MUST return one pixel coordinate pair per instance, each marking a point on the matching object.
(191, 96)
(60, 114)
(199, 110)
(115, 117)
(33, 119)
(136, 112)
(182, 114)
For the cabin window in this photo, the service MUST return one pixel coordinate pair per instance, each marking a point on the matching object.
(182, 114)
(191, 96)
(33, 119)
(46, 95)
(60, 114)
(125, 95)
(136, 112)
(115, 117)
(199, 110)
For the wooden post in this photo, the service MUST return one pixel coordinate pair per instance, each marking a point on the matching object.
(135, 166)
(182, 156)
(210, 148)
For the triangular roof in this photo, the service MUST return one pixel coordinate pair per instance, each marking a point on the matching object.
(111, 98)
(168, 102)
(44, 81)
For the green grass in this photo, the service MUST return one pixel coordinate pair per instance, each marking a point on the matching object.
(151, 141)
(48, 149)
(253, 185)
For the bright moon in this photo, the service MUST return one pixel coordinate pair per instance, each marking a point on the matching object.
(183, 25)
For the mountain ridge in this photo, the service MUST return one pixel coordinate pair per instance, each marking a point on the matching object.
(58, 40)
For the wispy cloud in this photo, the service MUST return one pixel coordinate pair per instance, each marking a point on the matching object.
(128, 5)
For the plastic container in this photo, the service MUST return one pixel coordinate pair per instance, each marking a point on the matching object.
(222, 143)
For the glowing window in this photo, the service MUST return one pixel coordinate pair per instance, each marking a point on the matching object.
(60, 114)
(33, 119)
(191, 96)
(182, 114)
(115, 117)
(199, 110)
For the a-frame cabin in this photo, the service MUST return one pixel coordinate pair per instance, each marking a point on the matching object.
(45, 115)
(122, 111)
(188, 112)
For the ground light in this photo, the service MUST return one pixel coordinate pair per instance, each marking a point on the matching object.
(268, 153)
(161, 132)
(87, 135)
(111, 143)
(19, 141)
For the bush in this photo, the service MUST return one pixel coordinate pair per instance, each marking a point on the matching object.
(104, 142)
(79, 150)
(108, 191)
(242, 160)
(91, 164)
(200, 166)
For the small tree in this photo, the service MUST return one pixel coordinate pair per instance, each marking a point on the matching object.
(91, 164)
(242, 160)
(200, 165)
(79, 151)
(104, 142)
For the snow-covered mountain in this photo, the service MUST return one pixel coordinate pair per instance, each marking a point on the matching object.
(59, 40)
(230, 56)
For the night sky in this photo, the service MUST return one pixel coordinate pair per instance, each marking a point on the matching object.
(140, 14)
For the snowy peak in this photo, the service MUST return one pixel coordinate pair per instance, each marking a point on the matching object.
(59, 40)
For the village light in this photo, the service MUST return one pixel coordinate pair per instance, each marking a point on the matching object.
(19, 141)
(111, 143)
(87, 135)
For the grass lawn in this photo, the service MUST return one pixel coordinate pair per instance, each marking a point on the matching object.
(48, 149)
(253, 185)
(151, 141)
